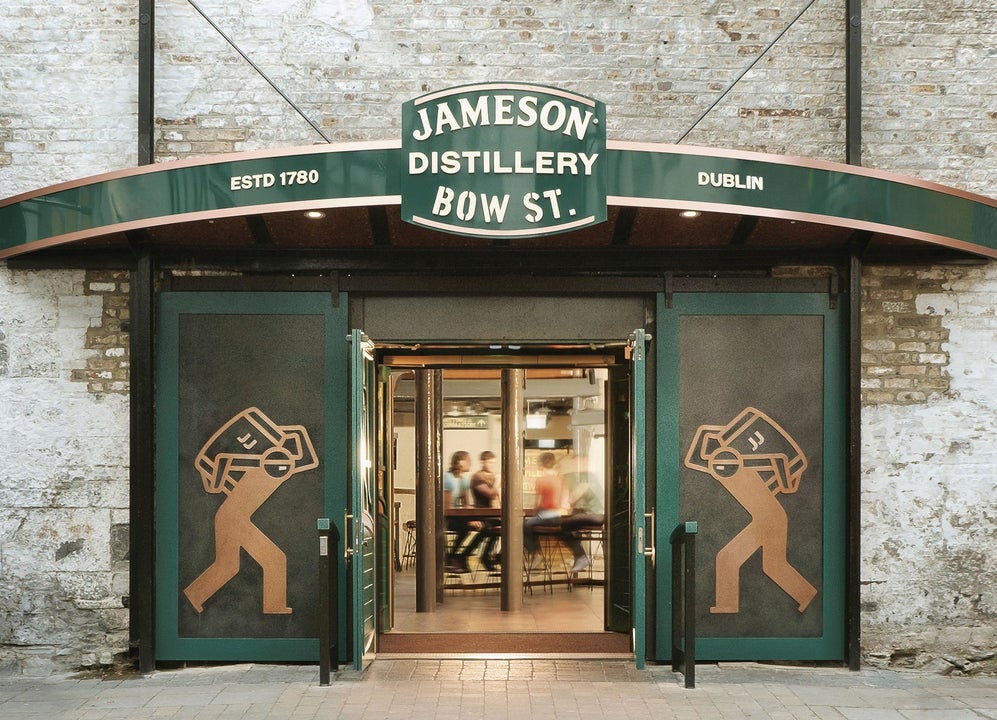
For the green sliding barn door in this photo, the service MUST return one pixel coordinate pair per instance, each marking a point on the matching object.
(751, 446)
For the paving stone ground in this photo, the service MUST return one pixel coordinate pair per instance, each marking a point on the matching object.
(518, 689)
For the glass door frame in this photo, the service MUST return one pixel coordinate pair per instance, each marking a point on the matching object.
(360, 524)
(634, 363)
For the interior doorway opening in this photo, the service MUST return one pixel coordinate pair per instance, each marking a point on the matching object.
(570, 428)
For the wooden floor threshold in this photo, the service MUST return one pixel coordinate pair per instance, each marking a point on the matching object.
(516, 643)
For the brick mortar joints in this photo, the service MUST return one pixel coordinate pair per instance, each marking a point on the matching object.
(903, 361)
(107, 371)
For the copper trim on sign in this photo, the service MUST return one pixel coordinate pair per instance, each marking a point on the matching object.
(796, 161)
(205, 160)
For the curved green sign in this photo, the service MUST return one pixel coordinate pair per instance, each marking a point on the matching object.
(814, 191)
(500, 161)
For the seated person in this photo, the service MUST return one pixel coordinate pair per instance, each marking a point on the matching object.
(547, 505)
(587, 511)
(484, 492)
(455, 487)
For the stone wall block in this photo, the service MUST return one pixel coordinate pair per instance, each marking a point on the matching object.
(937, 303)
(67, 540)
(75, 491)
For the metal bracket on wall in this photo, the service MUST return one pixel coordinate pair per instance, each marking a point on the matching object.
(334, 288)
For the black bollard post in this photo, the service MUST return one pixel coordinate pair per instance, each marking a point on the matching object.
(328, 580)
(683, 542)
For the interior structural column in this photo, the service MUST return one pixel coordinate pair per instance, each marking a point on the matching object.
(425, 492)
(439, 520)
(513, 382)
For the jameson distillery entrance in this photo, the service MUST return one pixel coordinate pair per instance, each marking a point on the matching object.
(510, 489)
(257, 440)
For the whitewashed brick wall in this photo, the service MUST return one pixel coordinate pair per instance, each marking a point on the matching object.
(63, 483)
(68, 83)
(929, 92)
(929, 500)
(657, 66)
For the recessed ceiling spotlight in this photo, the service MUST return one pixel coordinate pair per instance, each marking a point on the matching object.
(314, 214)
(689, 213)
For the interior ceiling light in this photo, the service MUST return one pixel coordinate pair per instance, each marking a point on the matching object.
(314, 214)
(536, 421)
(689, 213)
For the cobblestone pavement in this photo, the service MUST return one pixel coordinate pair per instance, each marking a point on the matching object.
(519, 689)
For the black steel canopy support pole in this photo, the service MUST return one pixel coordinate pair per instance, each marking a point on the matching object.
(146, 80)
(141, 540)
(853, 480)
(853, 82)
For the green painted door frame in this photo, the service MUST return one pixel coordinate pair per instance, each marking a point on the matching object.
(642, 543)
(361, 527)
(175, 472)
(828, 643)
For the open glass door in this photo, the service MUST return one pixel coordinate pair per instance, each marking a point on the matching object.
(642, 522)
(360, 526)
(630, 542)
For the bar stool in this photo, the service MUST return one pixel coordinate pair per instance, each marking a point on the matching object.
(451, 580)
(408, 554)
(551, 555)
(593, 540)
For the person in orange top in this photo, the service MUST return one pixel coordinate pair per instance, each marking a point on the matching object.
(547, 506)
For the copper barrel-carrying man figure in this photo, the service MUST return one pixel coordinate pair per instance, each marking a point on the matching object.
(755, 460)
(247, 459)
